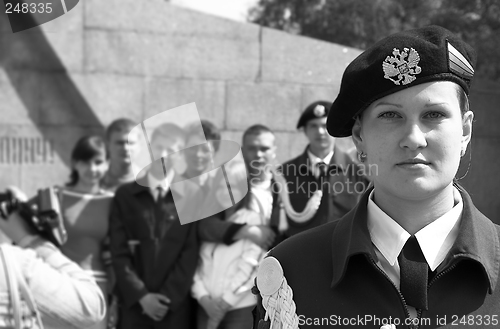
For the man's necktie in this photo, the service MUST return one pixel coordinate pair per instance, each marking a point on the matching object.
(159, 206)
(413, 274)
(322, 169)
(160, 194)
(324, 207)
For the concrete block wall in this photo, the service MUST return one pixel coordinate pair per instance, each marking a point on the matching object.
(125, 58)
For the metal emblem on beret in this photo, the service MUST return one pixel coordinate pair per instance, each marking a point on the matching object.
(319, 110)
(400, 67)
(269, 276)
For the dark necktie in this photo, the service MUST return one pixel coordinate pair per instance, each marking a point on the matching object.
(159, 206)
(322, 169)
(414, 271)
(164, 216)
(324, 208)
(160, 194)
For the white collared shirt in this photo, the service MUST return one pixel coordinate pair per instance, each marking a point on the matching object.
(154, 182)
(314, 160)
(263, 201)
(389, 238)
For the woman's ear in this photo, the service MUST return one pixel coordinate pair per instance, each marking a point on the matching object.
(356, 134)
(467, 119)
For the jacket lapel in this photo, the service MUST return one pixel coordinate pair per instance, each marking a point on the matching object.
(478, 240)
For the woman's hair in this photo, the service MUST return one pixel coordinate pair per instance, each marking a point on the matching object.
(463, 100)
(85, 149)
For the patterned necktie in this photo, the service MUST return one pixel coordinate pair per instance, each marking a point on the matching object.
(414, 274)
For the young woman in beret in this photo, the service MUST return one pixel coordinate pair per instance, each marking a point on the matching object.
(415, 252)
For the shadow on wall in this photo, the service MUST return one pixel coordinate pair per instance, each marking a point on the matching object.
(55, 102)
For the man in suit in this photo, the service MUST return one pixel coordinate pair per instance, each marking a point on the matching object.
(154, 257)
(324, 167)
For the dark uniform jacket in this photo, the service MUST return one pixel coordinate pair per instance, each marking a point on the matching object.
(344, 186)
(333, 274)
(151, 252)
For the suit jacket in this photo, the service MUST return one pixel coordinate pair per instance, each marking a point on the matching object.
(151, 251)
(333, 273)
(345, 185)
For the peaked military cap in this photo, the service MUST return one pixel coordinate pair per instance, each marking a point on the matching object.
(318, 109)
(399, 61)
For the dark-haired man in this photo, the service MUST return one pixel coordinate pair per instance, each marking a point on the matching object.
(258, 148)
(121, 147)
(259, 151)
(154, 256)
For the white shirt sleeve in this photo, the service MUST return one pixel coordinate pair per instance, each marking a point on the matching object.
(244, 269)
(66, 296)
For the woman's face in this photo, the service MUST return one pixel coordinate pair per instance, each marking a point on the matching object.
(413, 140)
(92, 171)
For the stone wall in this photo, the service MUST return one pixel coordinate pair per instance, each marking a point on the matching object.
(126, 58)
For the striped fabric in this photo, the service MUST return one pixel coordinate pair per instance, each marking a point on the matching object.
(458, 64)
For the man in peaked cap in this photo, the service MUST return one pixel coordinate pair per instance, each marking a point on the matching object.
(414, 252)
(325, 181)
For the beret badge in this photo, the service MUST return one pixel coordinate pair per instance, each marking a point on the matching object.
(458, 64)
(319, 110)
(402, 67)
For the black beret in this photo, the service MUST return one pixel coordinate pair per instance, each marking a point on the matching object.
(315, 110)
(399, 61)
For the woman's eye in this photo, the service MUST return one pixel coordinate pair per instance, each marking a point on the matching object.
(388, 115)
(434, 115)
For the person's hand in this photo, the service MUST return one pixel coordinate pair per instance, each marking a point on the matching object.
(261, 235)
(211, 308)
(223, 305)
(16, 228)
(213, 323)
(17, 193)
(155, 305)
(214, 311)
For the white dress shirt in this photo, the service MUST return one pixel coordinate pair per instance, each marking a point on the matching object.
(314, 160)
(389, 238)
(154, 183)
(263, 194)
